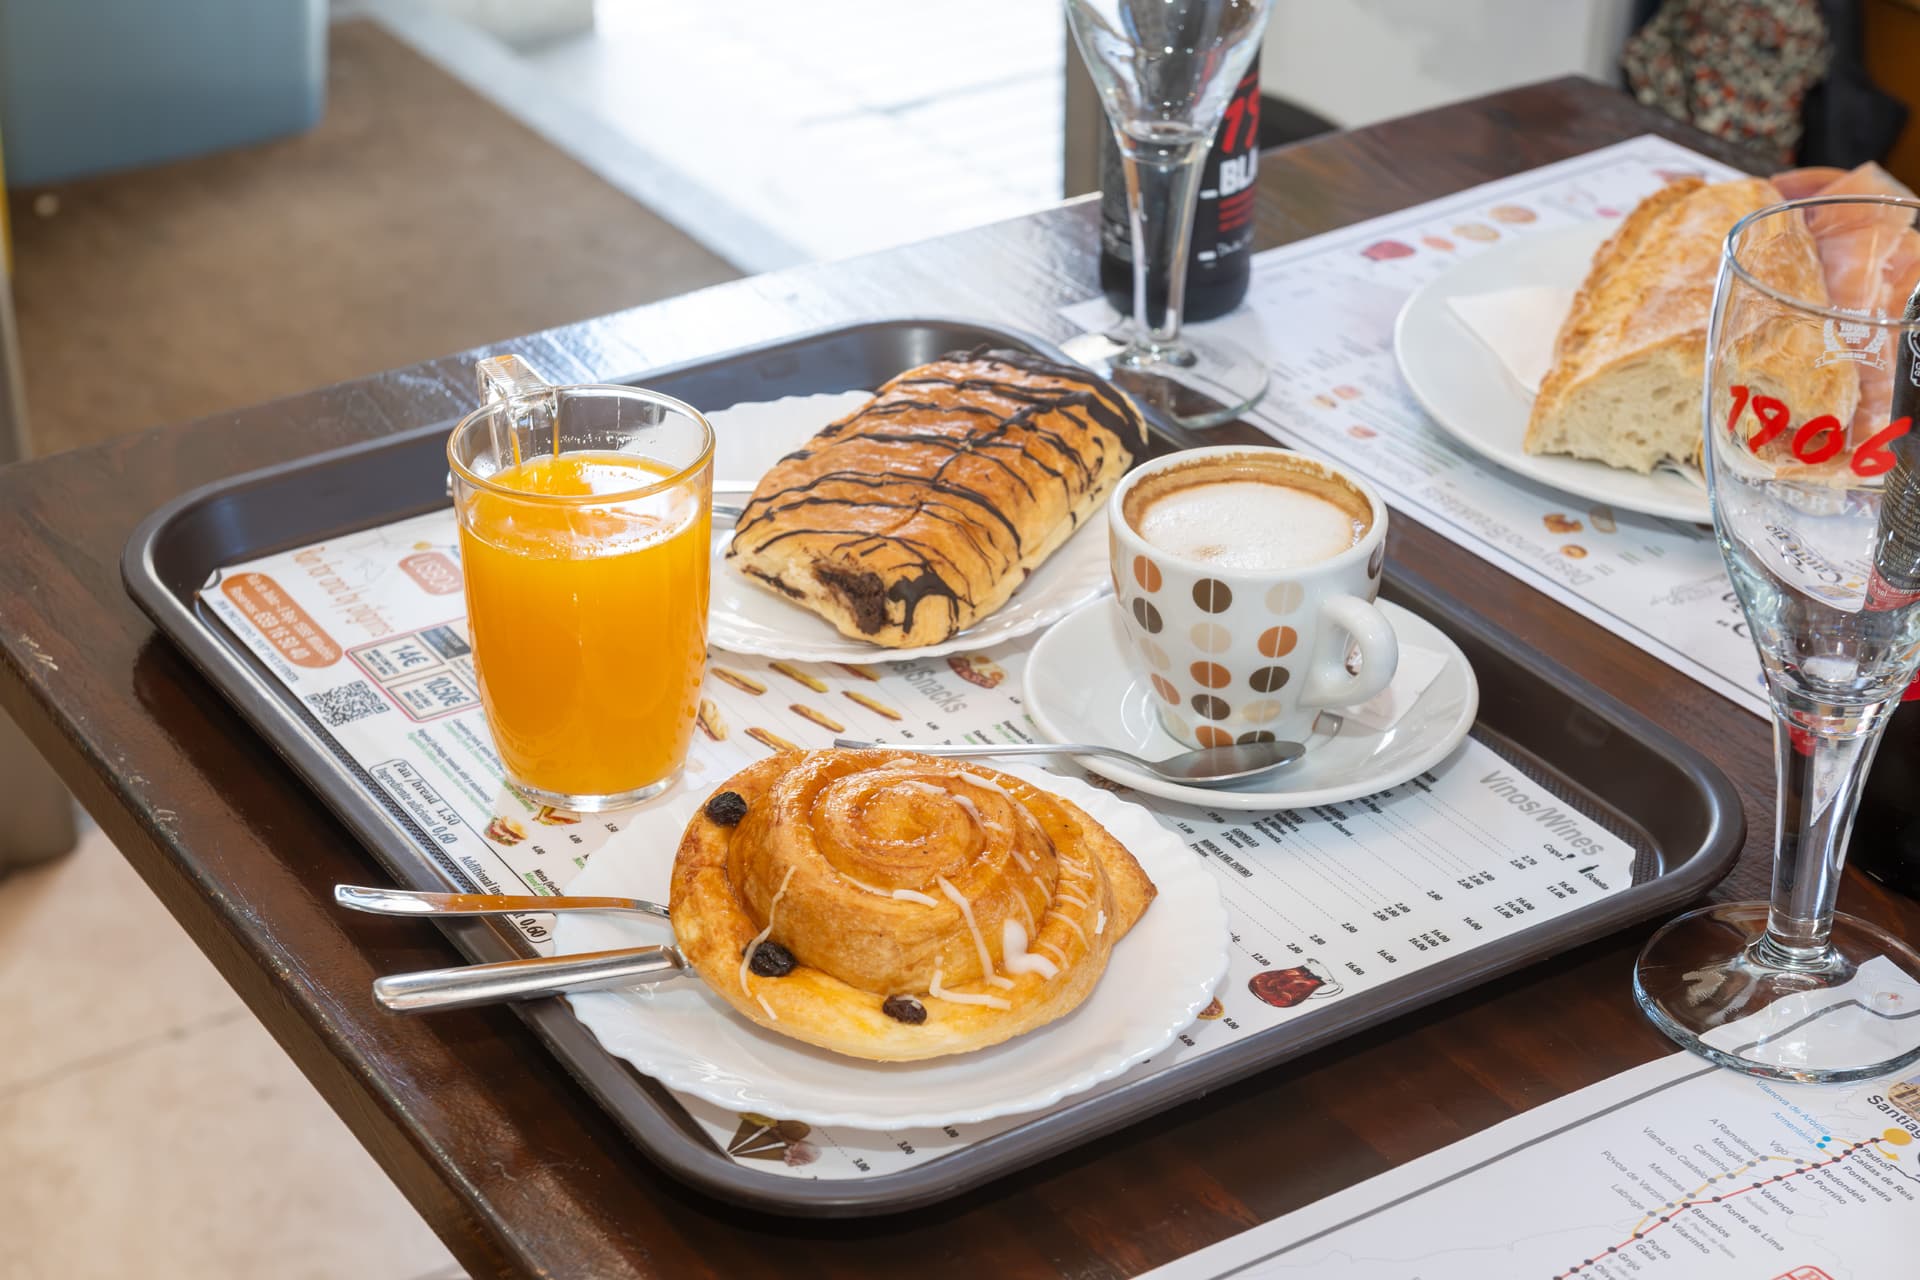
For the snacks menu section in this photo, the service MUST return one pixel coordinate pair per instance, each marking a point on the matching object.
(1323, 311)
(1325, 902)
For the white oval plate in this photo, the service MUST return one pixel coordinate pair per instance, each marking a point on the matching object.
(1159, 978)
(745, 617)
(1081, 687)
(1469, 393)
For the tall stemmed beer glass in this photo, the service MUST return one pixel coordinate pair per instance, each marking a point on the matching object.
(1165, 70)
(1812, 386)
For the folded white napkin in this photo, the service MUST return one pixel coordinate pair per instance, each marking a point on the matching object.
(1518, 326)
(1415, 671)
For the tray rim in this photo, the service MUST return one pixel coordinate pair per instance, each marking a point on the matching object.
(671, 1143)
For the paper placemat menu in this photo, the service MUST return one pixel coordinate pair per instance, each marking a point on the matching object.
(1676, 1170)
(367, 633)
(1322, 311)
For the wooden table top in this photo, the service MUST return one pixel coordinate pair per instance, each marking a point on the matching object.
(507, 1158)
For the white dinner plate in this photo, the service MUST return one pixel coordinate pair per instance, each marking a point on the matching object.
(1081, 687)
(747, 617)
(1158, 979)
(1469, 393)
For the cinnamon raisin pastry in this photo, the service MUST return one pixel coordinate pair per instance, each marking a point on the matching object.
(893, 906)
(919, 514)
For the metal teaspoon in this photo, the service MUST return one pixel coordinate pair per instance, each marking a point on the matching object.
(1207, 767)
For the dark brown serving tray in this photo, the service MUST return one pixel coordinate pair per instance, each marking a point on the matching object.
(1677, 810)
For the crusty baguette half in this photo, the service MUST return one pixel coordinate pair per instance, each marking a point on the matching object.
(1626, 380)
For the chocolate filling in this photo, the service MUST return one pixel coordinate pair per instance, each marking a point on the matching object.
(864, 593)
(774, 580)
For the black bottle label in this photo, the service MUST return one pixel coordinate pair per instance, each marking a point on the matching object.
(1223, 224)
(1222, 243)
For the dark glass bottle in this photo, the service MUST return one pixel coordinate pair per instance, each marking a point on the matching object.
(1219, 256)
(1886, 834)
(1886, 829)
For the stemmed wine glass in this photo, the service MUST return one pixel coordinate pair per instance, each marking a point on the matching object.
(1812, 385)
(1165, 70)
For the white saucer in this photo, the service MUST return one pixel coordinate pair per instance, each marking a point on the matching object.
(747, 617)
(1469, 394)
(1158, 979)
(1081, 687)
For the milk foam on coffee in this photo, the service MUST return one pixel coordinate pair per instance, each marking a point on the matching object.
(1247, 519)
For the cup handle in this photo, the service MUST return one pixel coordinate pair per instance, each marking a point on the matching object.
(509, 378)
(1330, 684)
(530, 423)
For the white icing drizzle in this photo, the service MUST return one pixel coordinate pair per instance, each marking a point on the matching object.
(988, 783)
(1074, 898)
(960, 997)
(768, 1008)
(1050, 949)
(1071, 923)
(973, 811)
(959, 900)
(908, 895)
(746, 957)
(1020, 900)
(1100, 923)
(1015, 956)
(1019, 857)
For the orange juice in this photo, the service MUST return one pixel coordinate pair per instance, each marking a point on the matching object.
(589, 623)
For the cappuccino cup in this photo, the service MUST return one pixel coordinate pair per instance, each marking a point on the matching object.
(1247, 578)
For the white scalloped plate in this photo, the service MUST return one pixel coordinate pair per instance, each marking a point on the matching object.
(1158, 979)
(746, 617)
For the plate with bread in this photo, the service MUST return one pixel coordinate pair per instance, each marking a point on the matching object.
(887, 940)
(1482, 402)
(959, 505)
(1615, 414)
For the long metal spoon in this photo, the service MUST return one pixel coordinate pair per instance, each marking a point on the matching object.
(416, 902)
(1207, 767)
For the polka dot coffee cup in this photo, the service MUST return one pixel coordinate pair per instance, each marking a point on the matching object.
(1247, 578)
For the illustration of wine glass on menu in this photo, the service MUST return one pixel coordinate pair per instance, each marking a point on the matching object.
(1812, 385)
(1164, 70)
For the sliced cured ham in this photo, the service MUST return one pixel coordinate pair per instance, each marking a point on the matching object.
(1870, 255)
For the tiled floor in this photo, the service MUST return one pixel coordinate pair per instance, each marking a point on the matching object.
(841, 128)
(148, 1125)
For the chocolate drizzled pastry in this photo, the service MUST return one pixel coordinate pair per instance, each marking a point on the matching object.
(920, 513)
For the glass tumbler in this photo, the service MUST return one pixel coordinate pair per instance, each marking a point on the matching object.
(584, 514)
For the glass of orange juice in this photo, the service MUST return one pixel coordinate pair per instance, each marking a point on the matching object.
(584, 514)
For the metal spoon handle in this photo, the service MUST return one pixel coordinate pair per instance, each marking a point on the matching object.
(464, 986)
(416, 902)
(968, 750)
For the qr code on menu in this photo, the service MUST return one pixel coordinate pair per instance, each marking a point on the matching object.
(346, 704)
